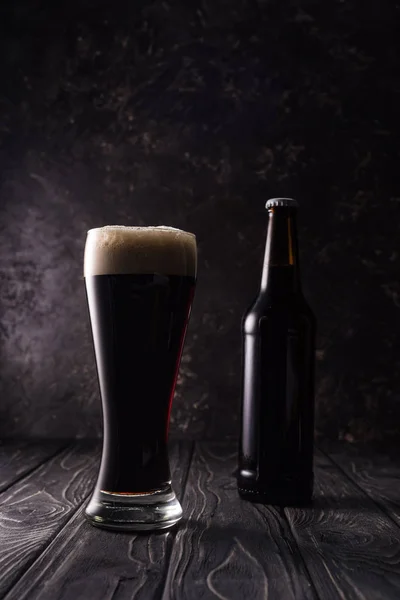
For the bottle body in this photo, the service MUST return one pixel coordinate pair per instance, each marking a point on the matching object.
(277, 432)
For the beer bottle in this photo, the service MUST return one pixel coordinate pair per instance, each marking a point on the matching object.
(277, 427)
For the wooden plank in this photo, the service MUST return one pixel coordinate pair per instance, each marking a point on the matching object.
(351, 548)
(229, 548)
(18, 458)
(377, 474)
(84, 562)
(33, 511)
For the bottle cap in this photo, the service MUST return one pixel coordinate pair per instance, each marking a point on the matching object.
(281, 202)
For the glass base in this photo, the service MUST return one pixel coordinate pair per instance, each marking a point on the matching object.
(134, 512)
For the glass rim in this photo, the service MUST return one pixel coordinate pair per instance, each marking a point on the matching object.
(143, 227)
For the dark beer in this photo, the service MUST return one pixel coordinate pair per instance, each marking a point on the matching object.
(139, 284)
(139, 321)
(276, 444)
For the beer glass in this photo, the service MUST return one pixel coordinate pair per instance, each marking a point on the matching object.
(139, 283)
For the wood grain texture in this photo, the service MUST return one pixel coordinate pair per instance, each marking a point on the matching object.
(85, 563)
(377, 474)
(344, 547)
(34, 510)
(18, 458)
(229, 548)
(351, 548)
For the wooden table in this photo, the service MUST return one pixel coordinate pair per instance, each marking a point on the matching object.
(347, 546)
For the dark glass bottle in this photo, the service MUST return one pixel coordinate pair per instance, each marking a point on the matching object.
(277, 430)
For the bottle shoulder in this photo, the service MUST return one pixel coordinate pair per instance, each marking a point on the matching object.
(267, 307)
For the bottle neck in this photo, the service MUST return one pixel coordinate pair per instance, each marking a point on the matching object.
(281, 270)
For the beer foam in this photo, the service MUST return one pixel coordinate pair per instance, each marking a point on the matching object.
(116, 249)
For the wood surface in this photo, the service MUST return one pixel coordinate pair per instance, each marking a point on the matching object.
(34, 510)
(20, 457)
(229, 548)
(377, 475)
(346, 547)
(350, 546)
(87, 563)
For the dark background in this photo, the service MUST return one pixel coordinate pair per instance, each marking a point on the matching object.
(192, 114)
